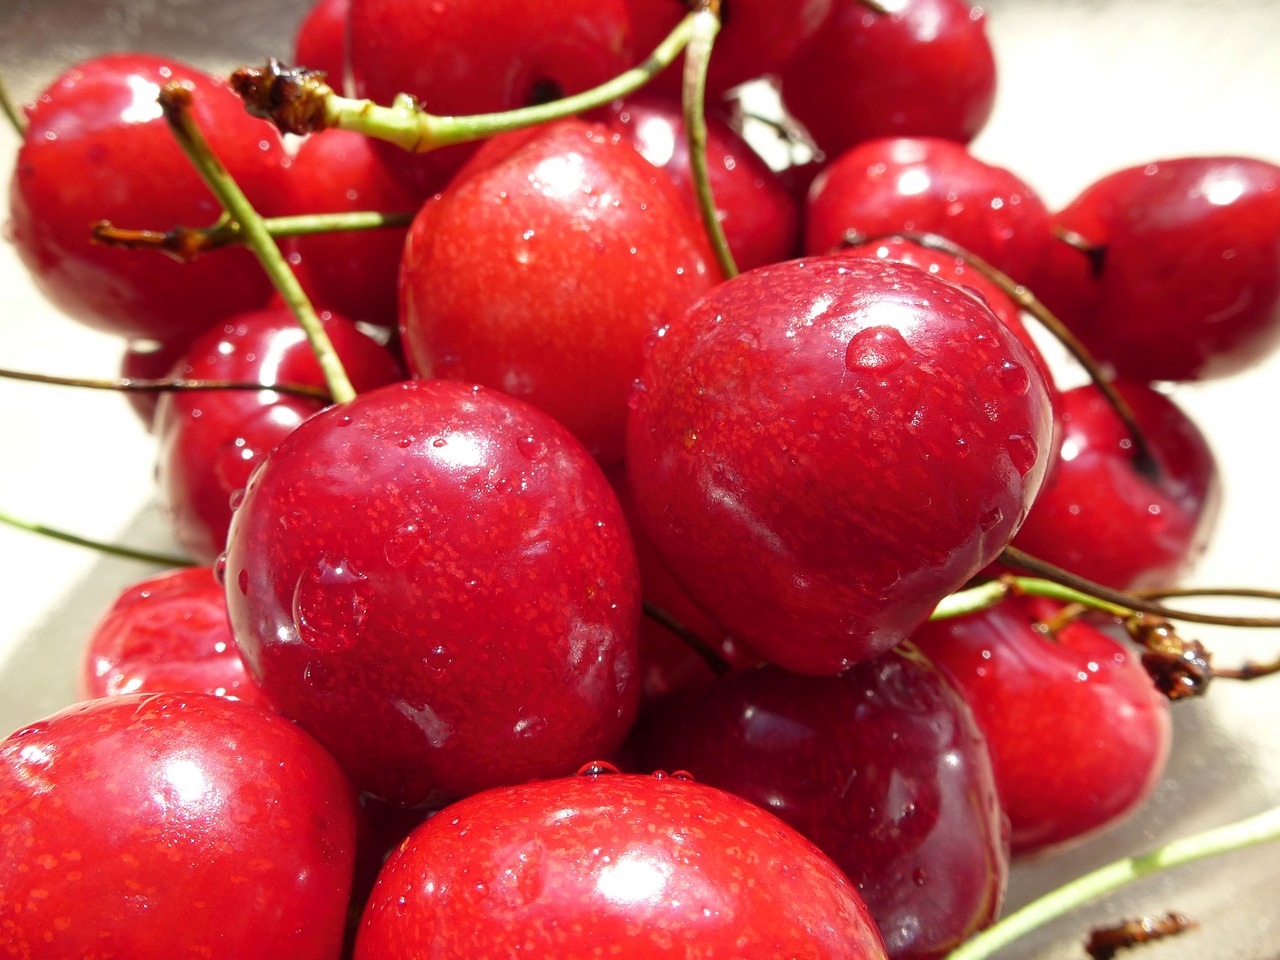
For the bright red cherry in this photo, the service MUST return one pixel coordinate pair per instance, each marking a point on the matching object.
(169, 632)
(167, 825)
(913, 68)
(97, 148)
(882, 767)
(619, 865)
(820, 450)
(1078, 732)
(543, 272)
(928, 185)
(436, 580)
(321, 40)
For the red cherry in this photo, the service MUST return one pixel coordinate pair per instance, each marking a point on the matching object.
(211, 441)
(167, 633)
(1183, 278)
(436, 581)
(822, 449)
(883, 767)
(321, 40)
(166, 825)
(928, 185)
(920, 68)
(1104, 516)
(1078, 733)
(150, 360)
(612, 864)
(98, 148)
(543, 273)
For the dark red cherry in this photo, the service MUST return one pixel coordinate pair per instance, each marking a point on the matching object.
(1175, 272)
(928, 185)
(820, 450)
(169, 632)
(1078, 732)
(882, 767)
(98, 148)
(761, 220)
(211, 441)
(1105, 515)
(321, 41)
(436, 581)
(166, 825)
(459, 58)
(543, 272)
(915, 68)
(621, 865)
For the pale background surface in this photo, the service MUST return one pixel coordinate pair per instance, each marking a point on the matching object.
(1086, 86)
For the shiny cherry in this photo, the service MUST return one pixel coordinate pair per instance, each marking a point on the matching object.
(320, 42)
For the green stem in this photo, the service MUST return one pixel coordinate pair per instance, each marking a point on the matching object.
(1262, 828)
(697, 59)
(11, 111)
(115, 550)
(988, 594)
(175, 100)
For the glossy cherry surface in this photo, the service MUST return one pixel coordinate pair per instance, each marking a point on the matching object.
(821, 450)
(98, 148)
(620, 865)
(168, 632)
(1077, 731)
(543, 272)
(167, 825)
(882, 767)
(1103, 515)
(928, 185)
(437, 581)
(915, 68)
(321, 40)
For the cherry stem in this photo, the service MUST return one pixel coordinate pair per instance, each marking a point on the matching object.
(1095, 254)
(1021, 295)
(175, 101)
(164, 384)
(988, 594)
(11, 112)
(697, 59)
(299, 101)
(184, 244)
(718, 664)
(1251, 831)
(115, 550)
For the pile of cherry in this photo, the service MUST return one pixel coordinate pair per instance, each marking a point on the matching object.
(595, 508)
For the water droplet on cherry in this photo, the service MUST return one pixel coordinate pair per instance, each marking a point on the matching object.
(1023, 451)
(329, 609)
(531, 448)
(596, 768)
(876, 350)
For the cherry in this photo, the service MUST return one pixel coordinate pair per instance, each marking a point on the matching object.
(97, 148)
(928, 185)
(612, 864)
(761, 221)
(1105, 515)
(459, 58)
(917, 68)
(883, 767)
(436, 580)
(820, 450)
(164, 825)
(1077, 731)
(1176, 272)
(543, 269)
(321, 40)
(167, 633)
(210, 441)
(150, 360)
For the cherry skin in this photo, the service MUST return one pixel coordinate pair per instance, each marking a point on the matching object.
(436, 581)
(211, 441)
(921, 68)
(1180, 275)
(150, 360)
(1104, 516)
(165, 825)
(167, 633)
(622, 865)
(928, 185)
(1077, 731)
(321, 40)
(543, 269)
(820, 450)
(98, 148)
(883, 767)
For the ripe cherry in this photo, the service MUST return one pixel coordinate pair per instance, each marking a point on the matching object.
(612, 864)
(820, 450)
(321, 40)
(437, 582)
